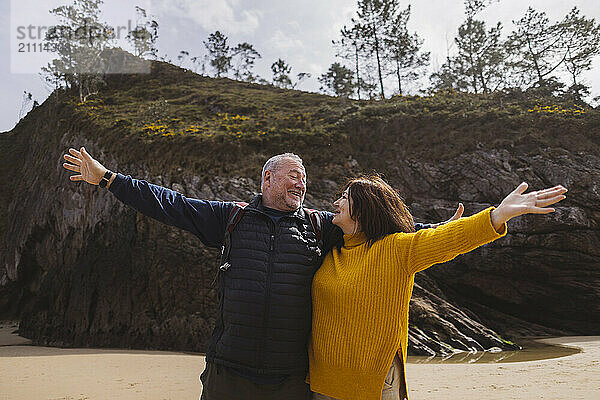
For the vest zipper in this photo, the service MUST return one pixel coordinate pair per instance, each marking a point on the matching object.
(264, 338)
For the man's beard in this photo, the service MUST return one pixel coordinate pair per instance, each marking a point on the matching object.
(290, 204)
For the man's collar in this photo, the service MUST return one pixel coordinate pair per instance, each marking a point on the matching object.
(257, 204)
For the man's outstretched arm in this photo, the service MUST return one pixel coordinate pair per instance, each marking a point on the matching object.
(203, 218)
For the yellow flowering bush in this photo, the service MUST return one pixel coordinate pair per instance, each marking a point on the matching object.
(91, 107)
(193, 129)
(156, 129)
(163, 129)
(234, 125)
(556, 109)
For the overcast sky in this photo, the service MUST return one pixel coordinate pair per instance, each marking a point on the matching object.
(300, 32)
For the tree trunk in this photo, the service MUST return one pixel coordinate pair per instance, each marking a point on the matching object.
(378, 62)
(473, 69)
(535, 57)
(357, 74)
(484, 87)
(399, 80)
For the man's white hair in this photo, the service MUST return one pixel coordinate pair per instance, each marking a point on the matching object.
(272, 164)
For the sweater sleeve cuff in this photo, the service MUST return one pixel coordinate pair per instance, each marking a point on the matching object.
(485, 230)
(117, 182)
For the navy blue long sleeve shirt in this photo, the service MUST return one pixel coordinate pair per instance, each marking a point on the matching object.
(206, 219)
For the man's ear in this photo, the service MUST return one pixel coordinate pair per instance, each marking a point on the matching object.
(267, 178)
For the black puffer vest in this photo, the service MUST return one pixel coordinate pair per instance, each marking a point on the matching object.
(264, 317)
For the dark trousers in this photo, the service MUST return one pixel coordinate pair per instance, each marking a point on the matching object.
(220, 384)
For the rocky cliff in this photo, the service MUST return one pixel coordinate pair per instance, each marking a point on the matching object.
(81, 269)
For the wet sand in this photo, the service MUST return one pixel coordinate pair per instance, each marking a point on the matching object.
(572, 377)
(32, 372)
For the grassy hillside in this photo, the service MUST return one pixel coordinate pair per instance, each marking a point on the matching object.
(172, 118)
(175, 107)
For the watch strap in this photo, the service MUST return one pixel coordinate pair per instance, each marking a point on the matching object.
(104, 181)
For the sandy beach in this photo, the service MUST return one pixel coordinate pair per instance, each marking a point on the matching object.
(32, 372)
(573, 377)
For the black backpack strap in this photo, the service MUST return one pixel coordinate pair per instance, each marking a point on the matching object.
(315, 220)
(234, 217)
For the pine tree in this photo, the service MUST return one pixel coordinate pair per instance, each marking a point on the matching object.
(374, 18)
(183, 55)
(581, 43)
(281, 72)
(143, 37)
(479, 65)
(450, 76)
(79, 40)
(218, 53)
(351, 47)
(402, 50)
(535, 49)
(198, 61)
(244, 55)
(338, 80)
(481, 54)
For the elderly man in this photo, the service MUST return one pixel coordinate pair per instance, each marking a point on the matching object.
(271, 250)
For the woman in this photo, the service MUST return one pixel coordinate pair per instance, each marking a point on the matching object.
(362, 290)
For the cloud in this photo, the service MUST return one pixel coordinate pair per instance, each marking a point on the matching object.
(284, 42)
(315, 69)
(212, 15)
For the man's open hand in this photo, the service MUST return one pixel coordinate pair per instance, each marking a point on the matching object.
(457, 215)
(89, 170)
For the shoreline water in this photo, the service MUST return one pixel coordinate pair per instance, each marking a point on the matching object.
(35, 372)
(533, 349)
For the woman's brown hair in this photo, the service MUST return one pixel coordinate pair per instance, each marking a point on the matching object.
(378, 208)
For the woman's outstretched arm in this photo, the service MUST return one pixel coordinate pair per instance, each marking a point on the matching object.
(417, 251)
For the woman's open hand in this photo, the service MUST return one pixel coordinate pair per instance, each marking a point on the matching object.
(517, 203)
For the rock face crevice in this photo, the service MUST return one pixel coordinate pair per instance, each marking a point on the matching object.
(81, 269)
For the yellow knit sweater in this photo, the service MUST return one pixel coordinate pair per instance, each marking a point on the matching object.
(360, 302)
